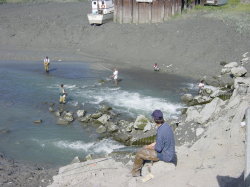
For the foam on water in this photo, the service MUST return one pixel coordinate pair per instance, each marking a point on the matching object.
(123, 101)
(135, 101)
(103, 146)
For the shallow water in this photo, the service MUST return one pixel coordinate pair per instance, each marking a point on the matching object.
(25, 89)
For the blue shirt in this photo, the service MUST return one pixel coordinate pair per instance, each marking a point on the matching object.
(165, 143)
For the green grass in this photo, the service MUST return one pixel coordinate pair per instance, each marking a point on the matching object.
(231, 6)
(2, 1)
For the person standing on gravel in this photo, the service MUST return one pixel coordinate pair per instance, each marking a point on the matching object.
(46, 63)
(163, 149)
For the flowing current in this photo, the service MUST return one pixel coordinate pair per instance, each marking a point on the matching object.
(25, 90)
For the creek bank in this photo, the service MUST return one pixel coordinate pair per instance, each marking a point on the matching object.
(216, 133)
(18, 174)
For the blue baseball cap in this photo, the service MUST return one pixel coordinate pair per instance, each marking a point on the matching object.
(157, 115)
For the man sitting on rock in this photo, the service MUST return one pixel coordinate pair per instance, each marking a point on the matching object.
(163, 149)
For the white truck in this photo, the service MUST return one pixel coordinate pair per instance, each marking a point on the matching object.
(102, 12)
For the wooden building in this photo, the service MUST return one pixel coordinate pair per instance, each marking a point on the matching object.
(148, 11)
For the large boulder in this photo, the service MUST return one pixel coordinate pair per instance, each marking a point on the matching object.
(231, 65)
(105, 109)
(186, 98)
(4, 131)
(85, 119)
(62, 121)
(101, 129)
(123, 123)
(129, 128)
(199, 99)
(80, 113)
(207, 91)
(193, 113)
(225, 81)
(241, 86)
(239, 71)
(218, 93)
(140, 122)
(111, 127)
(58, 113)
(96, 115)
(68, 116)
(121, 137)
(104, 119)
(157, 169)
(227, 68)
(148, 127)
(209, 110)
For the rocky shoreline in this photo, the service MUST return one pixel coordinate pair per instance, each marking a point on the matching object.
(198, 120)
(14, 173)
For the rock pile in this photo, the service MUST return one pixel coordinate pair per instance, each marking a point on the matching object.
(107, 123)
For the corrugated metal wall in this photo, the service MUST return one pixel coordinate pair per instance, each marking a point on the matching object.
(130, 11)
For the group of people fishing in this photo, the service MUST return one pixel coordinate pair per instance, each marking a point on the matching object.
(63, 94)
(162, 149)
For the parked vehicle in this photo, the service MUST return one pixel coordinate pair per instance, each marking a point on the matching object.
(102, 11)
(215, 2)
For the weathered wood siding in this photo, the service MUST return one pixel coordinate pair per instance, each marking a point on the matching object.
(130, 11)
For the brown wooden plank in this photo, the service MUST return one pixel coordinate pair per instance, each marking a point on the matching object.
(115, 11)
(141, 13)
(118, 11)
(155, 12)
(150, 12)
(162, 11)
(135, 14)
(127, 11)
(169, 8)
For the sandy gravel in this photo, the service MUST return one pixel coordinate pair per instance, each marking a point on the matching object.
(193, 43)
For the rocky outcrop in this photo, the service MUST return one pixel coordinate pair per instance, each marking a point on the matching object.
(92, 173)
(80, 113)
(239, 71)
(157, 169)
(140, 122)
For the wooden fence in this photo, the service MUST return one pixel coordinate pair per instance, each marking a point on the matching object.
(130, 11)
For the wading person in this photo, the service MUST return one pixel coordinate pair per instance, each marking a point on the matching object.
(115, 76)
(46, 63)
(156, 67)
(63, 94)
(163, 149)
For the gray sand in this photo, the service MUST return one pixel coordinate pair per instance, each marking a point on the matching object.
(194, 44)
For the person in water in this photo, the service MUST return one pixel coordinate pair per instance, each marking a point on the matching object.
(46, 63)
(163, 149)
(63, 95)
(156, 67)
(115, 76)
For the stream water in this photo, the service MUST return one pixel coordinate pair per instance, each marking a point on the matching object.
(25, 88)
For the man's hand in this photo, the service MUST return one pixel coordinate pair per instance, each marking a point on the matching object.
(151, 146)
